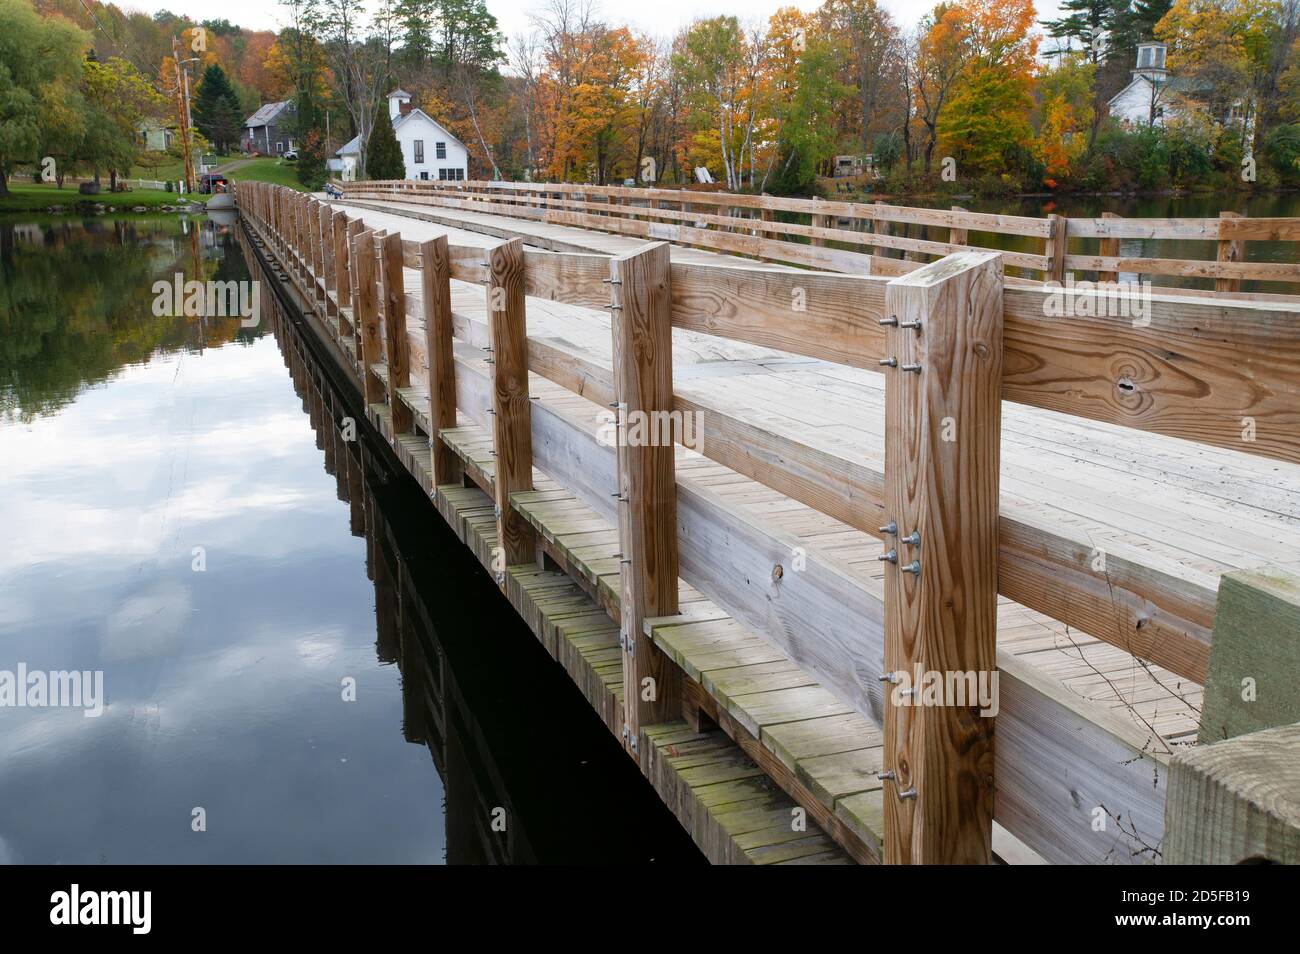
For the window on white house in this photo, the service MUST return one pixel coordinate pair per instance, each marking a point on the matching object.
(440, 150)
(419, 150)
(458, 174)
(424, 174)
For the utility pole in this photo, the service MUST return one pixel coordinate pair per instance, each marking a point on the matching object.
(183, 112)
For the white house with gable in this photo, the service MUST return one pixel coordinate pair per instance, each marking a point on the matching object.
(1152, 95)
(430, 150)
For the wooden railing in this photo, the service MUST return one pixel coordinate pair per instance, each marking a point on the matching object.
(1220, 372)
(855, 237)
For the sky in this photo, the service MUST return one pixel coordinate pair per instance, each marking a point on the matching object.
(660, 17)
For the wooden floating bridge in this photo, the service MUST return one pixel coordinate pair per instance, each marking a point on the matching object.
(874, 468)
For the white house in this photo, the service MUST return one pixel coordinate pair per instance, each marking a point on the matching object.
(1143, 100)
(1152, 94)
(430, 151)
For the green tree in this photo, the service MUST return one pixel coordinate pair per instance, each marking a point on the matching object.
(383, 154)
(217, 113)
(118, 97)
(40, 75)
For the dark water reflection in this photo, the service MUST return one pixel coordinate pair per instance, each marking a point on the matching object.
(135, 450)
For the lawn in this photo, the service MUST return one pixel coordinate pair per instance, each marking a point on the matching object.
(26, 197)
(267, 169)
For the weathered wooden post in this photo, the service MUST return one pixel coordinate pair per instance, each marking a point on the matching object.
(1250, 683)
(342, 278)
(943, 414)
(397, 346)
(1055, 247)
(1235, 801)
(367, 299)
(641, 325)
(1108, 248)
(956, 234)
(355, 228)
(435, 287)
(329, 282)
(511, 412)
(1230, 250)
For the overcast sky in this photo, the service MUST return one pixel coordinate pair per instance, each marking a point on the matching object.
(661, 17)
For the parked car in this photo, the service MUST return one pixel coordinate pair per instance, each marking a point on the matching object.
(291, 156)
(211, 182)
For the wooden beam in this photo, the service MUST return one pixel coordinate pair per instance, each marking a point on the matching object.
(1056, 248)
(1230, 250)
(397, 351)
(943, 412)
(355, 228)
(367, 311)
(1236, 802)
(342, 276)
(641, 328)
(1255, 656)
(511, 411)
(435, 287)
(1108, 248)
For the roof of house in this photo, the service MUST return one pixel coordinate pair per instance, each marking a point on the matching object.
(267, 113)
(353, 146)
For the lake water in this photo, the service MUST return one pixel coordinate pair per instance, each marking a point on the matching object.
(180, 513)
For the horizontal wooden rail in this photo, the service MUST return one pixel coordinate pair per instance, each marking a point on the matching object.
(715, 219)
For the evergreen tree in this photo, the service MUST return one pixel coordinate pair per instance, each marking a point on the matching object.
(383, 154)
(217, 113)
(1089, 22)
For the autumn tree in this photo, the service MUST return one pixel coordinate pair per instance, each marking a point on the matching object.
(1066, 112)
(988, 113)
(866, 41)
(937, 58)
(722, 67)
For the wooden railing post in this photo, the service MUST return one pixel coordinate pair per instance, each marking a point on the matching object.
(1109, 248)
(641, 324)
(1230, 250)
(435, 287)
(355, 226)
(329, 282)
(1055, 247)
(396, 344)
(512, 436)
(342, 279)
(1254, 656)
(943, 414)
(956, 235)
(1234, 802)
(367, 304)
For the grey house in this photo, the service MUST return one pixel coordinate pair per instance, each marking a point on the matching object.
(269, 131)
